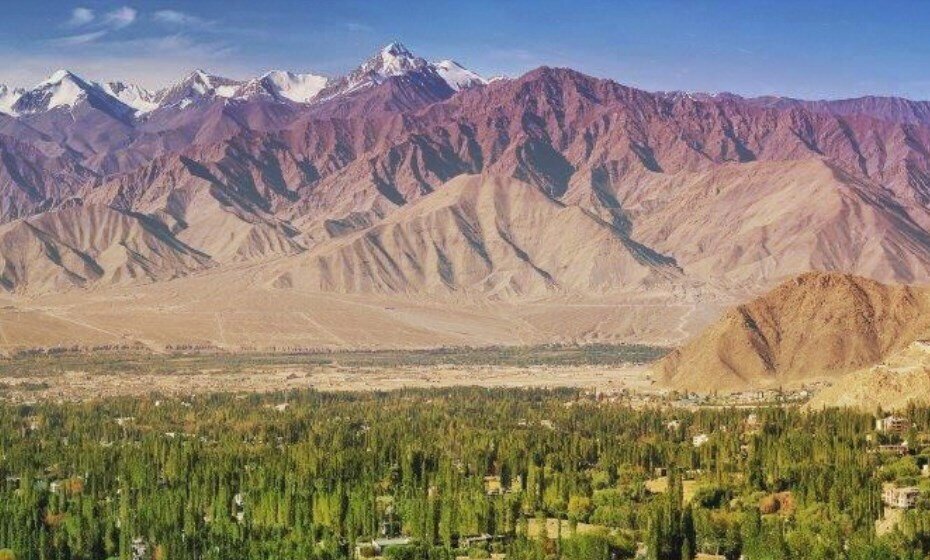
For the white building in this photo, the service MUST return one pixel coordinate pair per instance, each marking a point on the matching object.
(901, 498)
(892, 425)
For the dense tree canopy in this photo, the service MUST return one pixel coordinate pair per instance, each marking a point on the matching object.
(458, 472)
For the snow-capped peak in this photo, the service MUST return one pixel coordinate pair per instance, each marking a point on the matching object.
(61, 89)
(139, 98)
(396, 60)
(196, 86)
(393, 60)
(396, 54)
(457, 76)
(57, 77)
(396, 49)
(279, 84)
(200, 81)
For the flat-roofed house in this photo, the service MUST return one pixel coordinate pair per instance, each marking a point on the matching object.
(901, 498)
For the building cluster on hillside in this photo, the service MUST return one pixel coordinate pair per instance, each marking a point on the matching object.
(888, 437)
(901, 448)
(888, 440)
(758, 397)
(764, 397)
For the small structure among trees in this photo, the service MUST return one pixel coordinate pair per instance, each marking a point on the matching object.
(892, 424)
(901, 498)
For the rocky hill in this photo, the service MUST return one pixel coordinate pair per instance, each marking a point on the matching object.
(817, 326)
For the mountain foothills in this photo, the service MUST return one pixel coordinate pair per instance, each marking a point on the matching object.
(817, 326)
(412, 179)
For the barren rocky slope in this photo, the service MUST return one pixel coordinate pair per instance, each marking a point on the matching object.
(750, 224)
(819, 325)
(900, 379)
(482, 234)
(720, 187)
(88, 246)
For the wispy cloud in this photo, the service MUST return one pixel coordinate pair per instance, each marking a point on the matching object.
(80, 16)
(176, 45)
(120, 17)
(114, 20)
(81, 39)
(149, 47)
(179, 19)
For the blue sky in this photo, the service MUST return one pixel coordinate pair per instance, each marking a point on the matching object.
(803, 49)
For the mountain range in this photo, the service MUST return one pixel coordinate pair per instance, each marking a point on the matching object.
(411, 179)
(64, 89)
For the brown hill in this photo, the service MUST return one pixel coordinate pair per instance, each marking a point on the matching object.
(816, 326)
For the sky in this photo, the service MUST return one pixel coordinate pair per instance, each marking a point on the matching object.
(810, 49)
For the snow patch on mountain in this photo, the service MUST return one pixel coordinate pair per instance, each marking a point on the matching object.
(281, 85)
(196, 87)
(457, 76)
(140, 99)
(296, 87)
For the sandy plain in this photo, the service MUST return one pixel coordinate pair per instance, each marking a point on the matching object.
(84, 385)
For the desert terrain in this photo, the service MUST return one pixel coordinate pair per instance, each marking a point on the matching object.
(183, 337)
(233, 310)
(68, 376)
(85, 385)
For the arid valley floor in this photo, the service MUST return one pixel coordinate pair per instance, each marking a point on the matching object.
(232, 310)
(70, 377)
